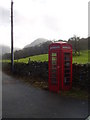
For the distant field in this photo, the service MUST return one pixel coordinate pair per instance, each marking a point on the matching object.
(83, 58)
(42, 58)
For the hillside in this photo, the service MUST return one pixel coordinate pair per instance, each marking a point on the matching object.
(41, 47)
(83, 58)
(36, 42)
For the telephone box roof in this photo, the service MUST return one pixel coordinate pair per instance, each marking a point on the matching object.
(63, 44)
(60, 42)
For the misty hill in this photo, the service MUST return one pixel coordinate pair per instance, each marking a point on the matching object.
(30, 51)
(16, 49)
(4, 49)
(37, 42)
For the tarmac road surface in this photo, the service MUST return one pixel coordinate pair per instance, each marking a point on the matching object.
(20, 100)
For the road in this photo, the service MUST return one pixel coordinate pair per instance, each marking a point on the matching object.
(20, 100)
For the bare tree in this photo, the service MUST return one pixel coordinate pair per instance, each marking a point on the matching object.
(76, 45)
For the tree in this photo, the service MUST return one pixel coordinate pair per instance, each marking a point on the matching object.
(76, 44)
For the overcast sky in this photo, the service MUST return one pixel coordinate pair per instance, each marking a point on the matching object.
(50, 19)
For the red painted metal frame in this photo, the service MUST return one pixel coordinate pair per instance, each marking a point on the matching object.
(58, 48)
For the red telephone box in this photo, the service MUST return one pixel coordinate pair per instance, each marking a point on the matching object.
(60, 66)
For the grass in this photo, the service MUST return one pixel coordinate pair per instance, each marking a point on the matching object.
(40, 58)
(82, 59)
(8, 61)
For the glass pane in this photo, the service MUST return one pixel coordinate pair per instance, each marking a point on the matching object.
(54, 54)
(53, 75)
(53, 71)
(67, 75)
(67, 71)
(54, 62)
(54, 81)
(67, 64)
(67, 56)
(53, 58)
(66, 81)
(53, 66)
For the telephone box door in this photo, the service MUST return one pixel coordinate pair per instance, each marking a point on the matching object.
(53, 71)
(67, 70)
